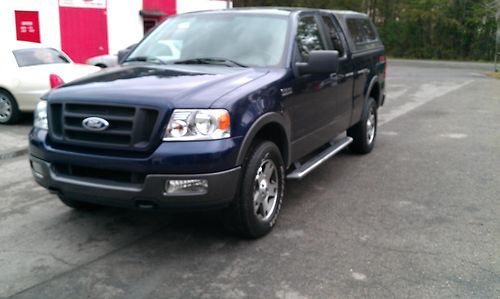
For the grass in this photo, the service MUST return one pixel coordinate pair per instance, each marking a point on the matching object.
(494, 75)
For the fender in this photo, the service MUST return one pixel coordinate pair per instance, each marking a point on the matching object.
(266, 119)
(370, 87)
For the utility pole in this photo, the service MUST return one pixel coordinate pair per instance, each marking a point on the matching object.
(497, 51)
(494, 6)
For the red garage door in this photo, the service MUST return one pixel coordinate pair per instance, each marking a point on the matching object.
(84, 28)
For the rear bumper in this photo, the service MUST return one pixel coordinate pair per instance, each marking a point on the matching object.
(222, 187)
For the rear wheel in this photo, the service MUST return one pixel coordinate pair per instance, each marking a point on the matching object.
(255, 212)
(9, 111)
(76, 204)
(364, 132)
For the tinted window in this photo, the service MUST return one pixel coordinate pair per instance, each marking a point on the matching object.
(363, 34)
(356, 33)
(309, 36)
(333, 34)
(37, 56)
(368, 30)
(253, 40)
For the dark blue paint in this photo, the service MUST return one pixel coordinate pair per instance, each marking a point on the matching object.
(247, 93)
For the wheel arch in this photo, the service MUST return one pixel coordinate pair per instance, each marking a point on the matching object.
(8, 92)
(270, 126)
(374, 91)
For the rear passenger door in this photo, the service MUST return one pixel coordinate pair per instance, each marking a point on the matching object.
(343, 91)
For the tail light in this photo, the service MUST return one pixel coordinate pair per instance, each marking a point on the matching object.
(381, 59)
(55, 81)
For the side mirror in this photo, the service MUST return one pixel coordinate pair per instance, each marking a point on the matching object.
(320, 62)
(124, 53)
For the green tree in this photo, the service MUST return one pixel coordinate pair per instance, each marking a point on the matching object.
(437, 29)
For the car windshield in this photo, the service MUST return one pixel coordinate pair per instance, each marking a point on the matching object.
(38, 56)
(234, 39)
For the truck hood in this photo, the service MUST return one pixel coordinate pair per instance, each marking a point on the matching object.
(167, 86)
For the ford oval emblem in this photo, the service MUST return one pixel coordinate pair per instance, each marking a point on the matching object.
(95, 124)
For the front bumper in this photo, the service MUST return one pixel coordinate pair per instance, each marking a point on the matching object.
(222, 187)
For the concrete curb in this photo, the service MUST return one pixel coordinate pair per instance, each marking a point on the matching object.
(468, 65)
(13, 154)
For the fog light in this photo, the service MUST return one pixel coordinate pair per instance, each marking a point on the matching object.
(37, 169)
(186, 186)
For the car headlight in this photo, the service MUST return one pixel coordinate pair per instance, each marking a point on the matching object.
(40, 117)
(198, 124)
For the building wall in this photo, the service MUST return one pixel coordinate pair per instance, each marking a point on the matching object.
(195, 5)
(125, 25)
(48, 14)
(166, 6)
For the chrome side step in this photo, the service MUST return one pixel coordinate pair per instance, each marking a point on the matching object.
(304, 169)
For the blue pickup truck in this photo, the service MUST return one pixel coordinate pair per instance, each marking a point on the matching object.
(214, 109)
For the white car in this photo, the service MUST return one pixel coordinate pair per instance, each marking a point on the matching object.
(103, 61)
(29, 70)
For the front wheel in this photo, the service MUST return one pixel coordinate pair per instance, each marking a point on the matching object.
(364, 132)
(255, 212)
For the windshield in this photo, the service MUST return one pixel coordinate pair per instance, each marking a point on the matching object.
(37, 56)
(240, 39)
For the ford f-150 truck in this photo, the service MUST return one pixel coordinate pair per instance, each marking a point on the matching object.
(214, 109)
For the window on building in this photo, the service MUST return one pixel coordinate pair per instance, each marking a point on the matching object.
(149, 24)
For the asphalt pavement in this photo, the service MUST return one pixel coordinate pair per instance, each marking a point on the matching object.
(417, 218)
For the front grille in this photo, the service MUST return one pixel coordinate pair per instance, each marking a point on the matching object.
(130, 127)
(112, 176)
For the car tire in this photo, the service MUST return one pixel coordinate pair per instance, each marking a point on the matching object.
(9, 111)
(76, 204)
(364, 133)
(255, 211)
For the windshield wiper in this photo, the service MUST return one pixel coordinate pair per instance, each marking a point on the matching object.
(146, 59)
(210, 60)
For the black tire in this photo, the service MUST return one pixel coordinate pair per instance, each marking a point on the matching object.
(246, 215)
(9, 111)
(76, 204)
(363, 143)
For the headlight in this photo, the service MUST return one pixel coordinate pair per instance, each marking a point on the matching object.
(40, 117)
(198, 124)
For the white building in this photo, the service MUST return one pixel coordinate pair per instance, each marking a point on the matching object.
(87, 28)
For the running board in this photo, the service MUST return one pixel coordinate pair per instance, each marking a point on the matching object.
(304, 169)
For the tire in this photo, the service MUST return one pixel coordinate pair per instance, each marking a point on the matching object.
(364, 132)
(9, 111)
(255, 211)
(76, 204)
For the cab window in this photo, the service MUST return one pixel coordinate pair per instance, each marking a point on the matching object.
(363, 34)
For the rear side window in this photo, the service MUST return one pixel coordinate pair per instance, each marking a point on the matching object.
(363, 34)
(38, 56)
(309, 36)
(333, 34)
